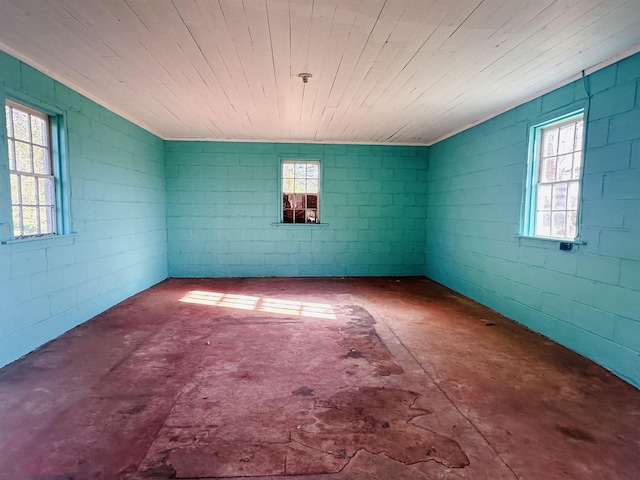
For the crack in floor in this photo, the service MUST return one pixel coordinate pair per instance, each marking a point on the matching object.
(306, 429)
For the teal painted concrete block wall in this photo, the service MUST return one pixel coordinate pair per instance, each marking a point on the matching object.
(587, 299)
(223, 206)
(118, 214)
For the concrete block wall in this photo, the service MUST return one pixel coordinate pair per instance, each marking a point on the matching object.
(118, 218)
(587, 299)
(223, 206)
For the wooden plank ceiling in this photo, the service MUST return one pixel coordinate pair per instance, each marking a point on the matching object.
(384, 71)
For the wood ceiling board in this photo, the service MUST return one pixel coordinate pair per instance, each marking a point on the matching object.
(412, 71)
(250, 63)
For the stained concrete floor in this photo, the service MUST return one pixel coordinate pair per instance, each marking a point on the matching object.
(358, 378)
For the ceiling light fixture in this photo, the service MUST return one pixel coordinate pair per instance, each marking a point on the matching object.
(305, 77)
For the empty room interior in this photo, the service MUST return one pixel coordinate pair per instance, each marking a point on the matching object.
(320, 239)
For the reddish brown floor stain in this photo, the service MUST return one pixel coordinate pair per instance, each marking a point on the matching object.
(282, 430)
(360, 340)
(408, 381)
(376, 420)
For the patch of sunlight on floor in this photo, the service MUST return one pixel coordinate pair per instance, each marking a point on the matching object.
(267, 305)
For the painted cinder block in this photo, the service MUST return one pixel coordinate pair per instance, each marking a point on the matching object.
(560, 97)
(118, 210)
(603, 213)
(620, 244)
(598, 133)
(622, 184)
(624, 127)
(557, 306)
(608, 158)
(602, 80)
(617, 300)
(627, 333)
(613, 101)
(591, 319)
(630, 274)
(598, 267)
(628, 69)
(585, 291)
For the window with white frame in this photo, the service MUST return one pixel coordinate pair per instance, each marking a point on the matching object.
(31, 171)
(555, 170)
(300, 192)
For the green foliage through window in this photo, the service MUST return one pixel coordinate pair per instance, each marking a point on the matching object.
(555, 170)
(33, 197)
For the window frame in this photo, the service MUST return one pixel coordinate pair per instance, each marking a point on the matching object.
(534, 160)
(59, 170)
(281, 191)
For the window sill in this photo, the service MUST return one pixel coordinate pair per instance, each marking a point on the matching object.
(42, 238)
(548, 239)
(300, 225)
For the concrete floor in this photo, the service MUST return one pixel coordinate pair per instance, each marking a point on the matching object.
(354, 378)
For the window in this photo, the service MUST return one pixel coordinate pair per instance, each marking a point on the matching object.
(31, 171)
(300, 192)
(555, 169)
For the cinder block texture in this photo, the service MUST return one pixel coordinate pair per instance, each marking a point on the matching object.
(117, 246)
(586, 299)
(221, 193)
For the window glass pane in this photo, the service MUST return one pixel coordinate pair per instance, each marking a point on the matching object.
(572, 226)
(8, 120)
(577, 166)
(543, 224)
(579, 133)
(312, 201)
(288, 185)
(15, 215)
(574, 189)
(565, 166)
(558, 223)
(20, 125)
(312, 171)
(30, 221)
(300, 185)
(560, 196)
(567, 138)
(548, 169)
(46, 220)
(550, 142)
(28, 190)
(544, 197)
(312, 186)
(301, 170)
(46, 192)
(23, 157)
(41, 163)
(15, 189)
(288, 170)
(297, 201)
(38, 131)
(300, 216)
(287, 216)
(12, 155)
